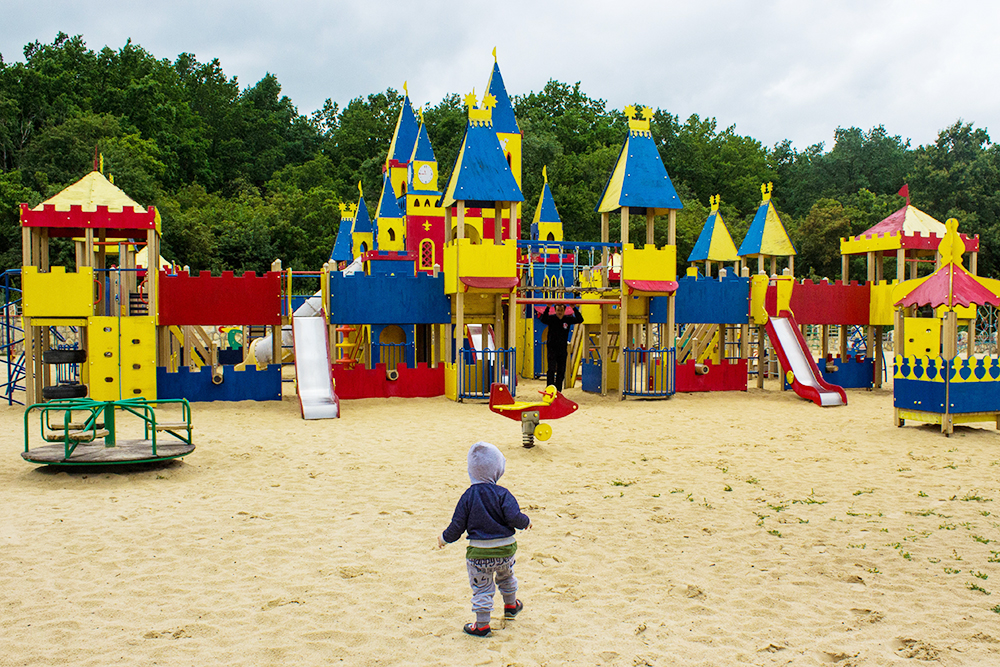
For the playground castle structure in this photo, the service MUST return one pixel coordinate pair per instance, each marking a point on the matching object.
(437, 295)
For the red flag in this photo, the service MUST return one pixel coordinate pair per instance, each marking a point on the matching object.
(904, 191)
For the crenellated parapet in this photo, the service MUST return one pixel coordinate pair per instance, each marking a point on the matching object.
(480, 267)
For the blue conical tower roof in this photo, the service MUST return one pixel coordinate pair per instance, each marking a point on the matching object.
(546, 211)
(639, 180)
(767, 235)
(362, 223)
(714, 243)
(343, 246)
(388, 207)
(503, 112)
(481, 172)
(405, 134)
(422, 149)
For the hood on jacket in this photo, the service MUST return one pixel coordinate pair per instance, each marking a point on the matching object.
(486, 463)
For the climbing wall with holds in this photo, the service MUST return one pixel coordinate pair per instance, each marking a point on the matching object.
(122, 359)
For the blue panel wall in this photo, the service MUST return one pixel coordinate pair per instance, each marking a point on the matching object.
(919, 395)
(388, 299)
(248, 385)
(706, 301)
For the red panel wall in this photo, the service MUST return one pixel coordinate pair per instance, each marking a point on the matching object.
(225, 299)
(421, 381)
(826, 303)
(724, 377)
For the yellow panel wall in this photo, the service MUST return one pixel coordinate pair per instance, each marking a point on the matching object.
(881, 310)
(649, 263)
(138, 357)
(57, 293)
(102, 358)
(923, 337)
(487, 260)
(121, 358)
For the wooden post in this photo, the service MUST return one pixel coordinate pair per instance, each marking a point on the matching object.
(650, 236)
(791, 265)
(845, 268)
(745, 327)
(760, 264)
(901, 264)
(459, 332)
(447, 225)
(623, 310)
(43, 250)
(760, 356)
(878, 356)
(153, 275)
(498, 223)
(671, 326)
(26, 258)
(512, 324)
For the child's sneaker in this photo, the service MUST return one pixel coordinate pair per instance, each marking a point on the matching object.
(477, 630)
(512, 610)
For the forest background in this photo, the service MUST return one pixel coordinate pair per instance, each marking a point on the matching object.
(241, 178)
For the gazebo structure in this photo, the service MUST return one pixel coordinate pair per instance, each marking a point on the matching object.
(912, 237)
(932, 384)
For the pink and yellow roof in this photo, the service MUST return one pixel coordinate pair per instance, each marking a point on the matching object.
(950, 286)
(908, 228)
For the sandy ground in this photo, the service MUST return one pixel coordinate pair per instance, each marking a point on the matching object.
(725, 529)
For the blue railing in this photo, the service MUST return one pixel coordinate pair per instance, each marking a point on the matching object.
(11, 337)
(478, 370)
(649, 373)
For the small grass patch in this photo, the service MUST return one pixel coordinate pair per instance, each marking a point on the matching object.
(972, 586)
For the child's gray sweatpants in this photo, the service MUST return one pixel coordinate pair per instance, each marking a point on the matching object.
(482, 572)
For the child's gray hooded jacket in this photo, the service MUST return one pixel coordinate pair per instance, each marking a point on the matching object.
(487, 512)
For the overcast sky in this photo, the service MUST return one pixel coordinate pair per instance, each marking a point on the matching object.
(775, 69)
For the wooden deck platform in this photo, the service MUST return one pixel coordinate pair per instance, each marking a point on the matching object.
(126, 451)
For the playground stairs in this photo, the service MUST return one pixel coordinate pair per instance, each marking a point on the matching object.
(698, 342)
(772, 367)
(350, 345)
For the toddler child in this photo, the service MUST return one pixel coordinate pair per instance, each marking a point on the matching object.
(489, 513)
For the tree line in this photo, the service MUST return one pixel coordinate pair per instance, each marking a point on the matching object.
(241, 178)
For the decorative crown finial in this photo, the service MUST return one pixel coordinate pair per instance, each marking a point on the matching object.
(765, 191)
(635, 123)
(714, 202)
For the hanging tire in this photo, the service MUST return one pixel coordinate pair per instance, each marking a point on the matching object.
(64, 356)
(64, 391)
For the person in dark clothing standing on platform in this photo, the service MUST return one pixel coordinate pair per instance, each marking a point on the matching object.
(558, 324)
